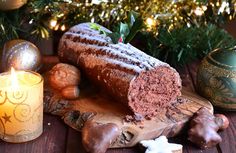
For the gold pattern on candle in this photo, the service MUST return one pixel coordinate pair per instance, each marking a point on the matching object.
(21, 106)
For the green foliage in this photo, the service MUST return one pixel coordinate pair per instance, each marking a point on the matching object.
(17, 22)
(12, 30)
(185, 44)
(175, 42)
(125, 32)
(33, 19)
(135, 24)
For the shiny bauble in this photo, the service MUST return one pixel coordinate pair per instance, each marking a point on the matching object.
(6, 5)
(216, 78)
(21, 55)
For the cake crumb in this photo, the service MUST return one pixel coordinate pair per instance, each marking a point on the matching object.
(136, 118)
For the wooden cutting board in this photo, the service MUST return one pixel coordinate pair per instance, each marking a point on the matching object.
(101, 108)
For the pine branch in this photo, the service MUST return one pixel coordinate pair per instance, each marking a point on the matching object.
(173, 20)
(185, 44)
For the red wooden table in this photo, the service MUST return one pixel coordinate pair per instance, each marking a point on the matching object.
(59, 138)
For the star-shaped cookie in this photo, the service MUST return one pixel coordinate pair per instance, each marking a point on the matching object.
(161, 145)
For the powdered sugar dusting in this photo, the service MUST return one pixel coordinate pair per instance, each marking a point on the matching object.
(143, 56)
(123, 55)
(87, 37)
(86, 29)
(93, 60)
(123, 64)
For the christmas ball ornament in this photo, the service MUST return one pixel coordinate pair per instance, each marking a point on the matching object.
(216, 78)
(6, 5)
(20, 54)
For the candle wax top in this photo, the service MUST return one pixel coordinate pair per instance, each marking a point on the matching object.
(24, 78)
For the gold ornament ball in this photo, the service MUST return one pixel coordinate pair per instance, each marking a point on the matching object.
(21, 55)
(6, 5)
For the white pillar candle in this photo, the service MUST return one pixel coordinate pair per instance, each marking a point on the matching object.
(21, 106)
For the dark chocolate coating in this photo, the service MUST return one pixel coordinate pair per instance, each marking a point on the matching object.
(120, 69)
(203, 129)
(96, 138)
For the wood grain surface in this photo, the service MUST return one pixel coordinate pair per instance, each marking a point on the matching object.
(104, 110)
(59, 138)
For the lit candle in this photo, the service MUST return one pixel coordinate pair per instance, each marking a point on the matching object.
(21, 106)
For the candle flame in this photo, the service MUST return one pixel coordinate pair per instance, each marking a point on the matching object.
(14, 80)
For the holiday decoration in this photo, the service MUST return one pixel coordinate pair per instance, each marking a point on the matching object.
(204, 127)
(161, 145)
(21, 111)
(11, 4)
(183, 45)
(125, 32)
(57, 14)
(216, 78)
(20, 54)
(43, 16)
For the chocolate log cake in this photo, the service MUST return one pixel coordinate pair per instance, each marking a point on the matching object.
(141, 82)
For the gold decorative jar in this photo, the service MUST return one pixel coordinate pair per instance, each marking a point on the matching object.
(216, 78)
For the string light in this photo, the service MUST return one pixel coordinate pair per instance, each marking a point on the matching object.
(56, 27)
(169, 13)
(53, 23)
(165, 12)
(199, 11)
(60, 15)
(224, 7)
(63, 27)
(204, 8)
(31, 21)
(150, 22)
